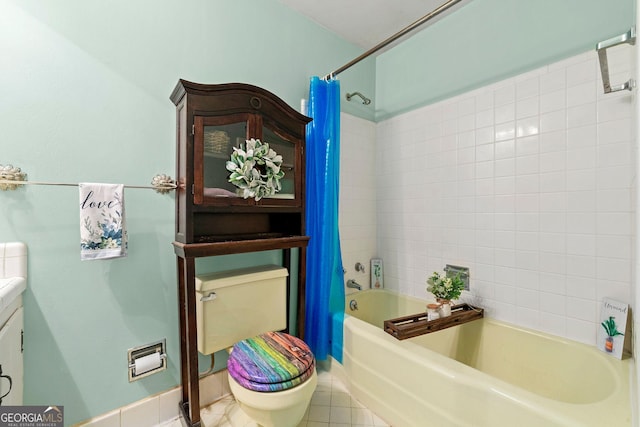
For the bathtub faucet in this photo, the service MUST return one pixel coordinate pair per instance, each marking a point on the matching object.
(353, 284)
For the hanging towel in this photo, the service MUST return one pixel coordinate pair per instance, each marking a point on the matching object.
(103, 232)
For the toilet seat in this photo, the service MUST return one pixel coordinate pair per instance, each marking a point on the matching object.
(269, 362)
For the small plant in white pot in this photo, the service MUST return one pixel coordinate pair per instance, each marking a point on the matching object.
(445, 289)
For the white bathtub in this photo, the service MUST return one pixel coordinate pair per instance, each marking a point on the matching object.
(483, 373)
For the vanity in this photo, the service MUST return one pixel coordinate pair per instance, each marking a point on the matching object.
(213, 218)
(13, 282)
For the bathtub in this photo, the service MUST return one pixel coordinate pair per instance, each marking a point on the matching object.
(482, 373)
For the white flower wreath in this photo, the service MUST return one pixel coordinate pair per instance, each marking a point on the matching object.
(256, 170)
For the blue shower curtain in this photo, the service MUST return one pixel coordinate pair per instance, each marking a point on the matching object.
(325, 277)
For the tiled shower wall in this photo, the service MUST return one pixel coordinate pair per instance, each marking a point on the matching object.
(357, 219)
(528, 182)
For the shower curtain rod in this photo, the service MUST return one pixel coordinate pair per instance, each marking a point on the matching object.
(435, 12)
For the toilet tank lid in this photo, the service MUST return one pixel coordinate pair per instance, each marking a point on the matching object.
(222, 279)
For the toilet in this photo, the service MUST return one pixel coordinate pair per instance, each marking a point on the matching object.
(271, 374)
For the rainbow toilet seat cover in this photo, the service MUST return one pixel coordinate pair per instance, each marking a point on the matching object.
(272, 361)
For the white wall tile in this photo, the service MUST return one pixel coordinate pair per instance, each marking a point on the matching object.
(553, 121)
(580, 308)
(111, 419)
(168, 404)
(581, 180)
(358, 213)
(552, 101)
(504, 94)
(582, 287)
(614, 108)
(581, 201)
(581, 330)
(552, 242)
(581, 115)
(584, 93)
(552, 263)
(504, 113)
(537, 195)
(615, 130)
(485, 118)
(615, 154)
(504, 131)
(582, 158)
(610, 246)
(528, 88)
(527, 107)
(552, 284)
(553, 324)
(615, 177)
(552, 81)
(505, 168)
(15, 249)
(553, 142)
(581, 244)
(2, 252)
(484, 100)
(13, 259)
(144, 413)
(618, 223)
(581, 72)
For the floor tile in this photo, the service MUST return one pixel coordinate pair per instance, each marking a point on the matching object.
(331, 406)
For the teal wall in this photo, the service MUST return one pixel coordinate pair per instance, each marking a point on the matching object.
(489, 40)
(85, 98)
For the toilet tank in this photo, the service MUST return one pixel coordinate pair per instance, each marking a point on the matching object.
(238, 304)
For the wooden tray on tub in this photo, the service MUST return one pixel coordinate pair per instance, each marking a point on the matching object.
(417, 324)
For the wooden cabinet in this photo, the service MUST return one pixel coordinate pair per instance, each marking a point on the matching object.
(212, 120)
(211, 218)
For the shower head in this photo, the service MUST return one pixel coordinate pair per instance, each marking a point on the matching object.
(365, 100)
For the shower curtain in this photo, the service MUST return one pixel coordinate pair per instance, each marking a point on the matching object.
(325, 277)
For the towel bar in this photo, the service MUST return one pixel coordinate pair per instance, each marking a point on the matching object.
(628, 37)
(12, 177)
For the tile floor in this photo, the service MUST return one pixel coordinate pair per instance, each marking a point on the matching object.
(331, 406)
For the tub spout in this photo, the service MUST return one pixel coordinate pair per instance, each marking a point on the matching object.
(353, 284)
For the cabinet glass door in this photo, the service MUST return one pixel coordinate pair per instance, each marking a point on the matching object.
(287, 150)
(214, 140)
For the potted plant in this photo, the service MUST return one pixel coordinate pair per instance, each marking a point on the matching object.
(445, 289)
(611, 329)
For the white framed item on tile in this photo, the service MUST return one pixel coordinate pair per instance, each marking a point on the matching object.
(612, 329)
(377, 281)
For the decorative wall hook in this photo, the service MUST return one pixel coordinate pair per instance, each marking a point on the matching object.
(163, 184)
(10, 173)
